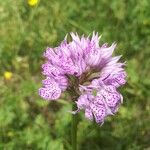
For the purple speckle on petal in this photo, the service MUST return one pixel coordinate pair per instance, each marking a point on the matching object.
(88, 114)
(49, 94)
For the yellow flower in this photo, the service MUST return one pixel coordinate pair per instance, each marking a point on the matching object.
(32, 2)
(8, 75)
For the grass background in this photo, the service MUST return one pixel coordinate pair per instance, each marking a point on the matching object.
(29, 123)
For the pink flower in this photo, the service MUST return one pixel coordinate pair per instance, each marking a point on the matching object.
(89, 70)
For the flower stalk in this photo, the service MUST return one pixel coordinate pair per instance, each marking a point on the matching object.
(74, 128)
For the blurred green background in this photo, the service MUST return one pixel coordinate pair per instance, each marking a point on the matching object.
(29, 123)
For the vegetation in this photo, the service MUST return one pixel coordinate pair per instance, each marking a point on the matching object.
(29, 123)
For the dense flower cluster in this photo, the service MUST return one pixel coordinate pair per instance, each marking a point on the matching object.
(98, 75)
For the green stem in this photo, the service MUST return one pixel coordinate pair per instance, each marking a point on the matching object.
(74, 128)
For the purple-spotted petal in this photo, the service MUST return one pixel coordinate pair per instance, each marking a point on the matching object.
(50, 94)
(88, 114)
(51, 70)
(99, 113)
